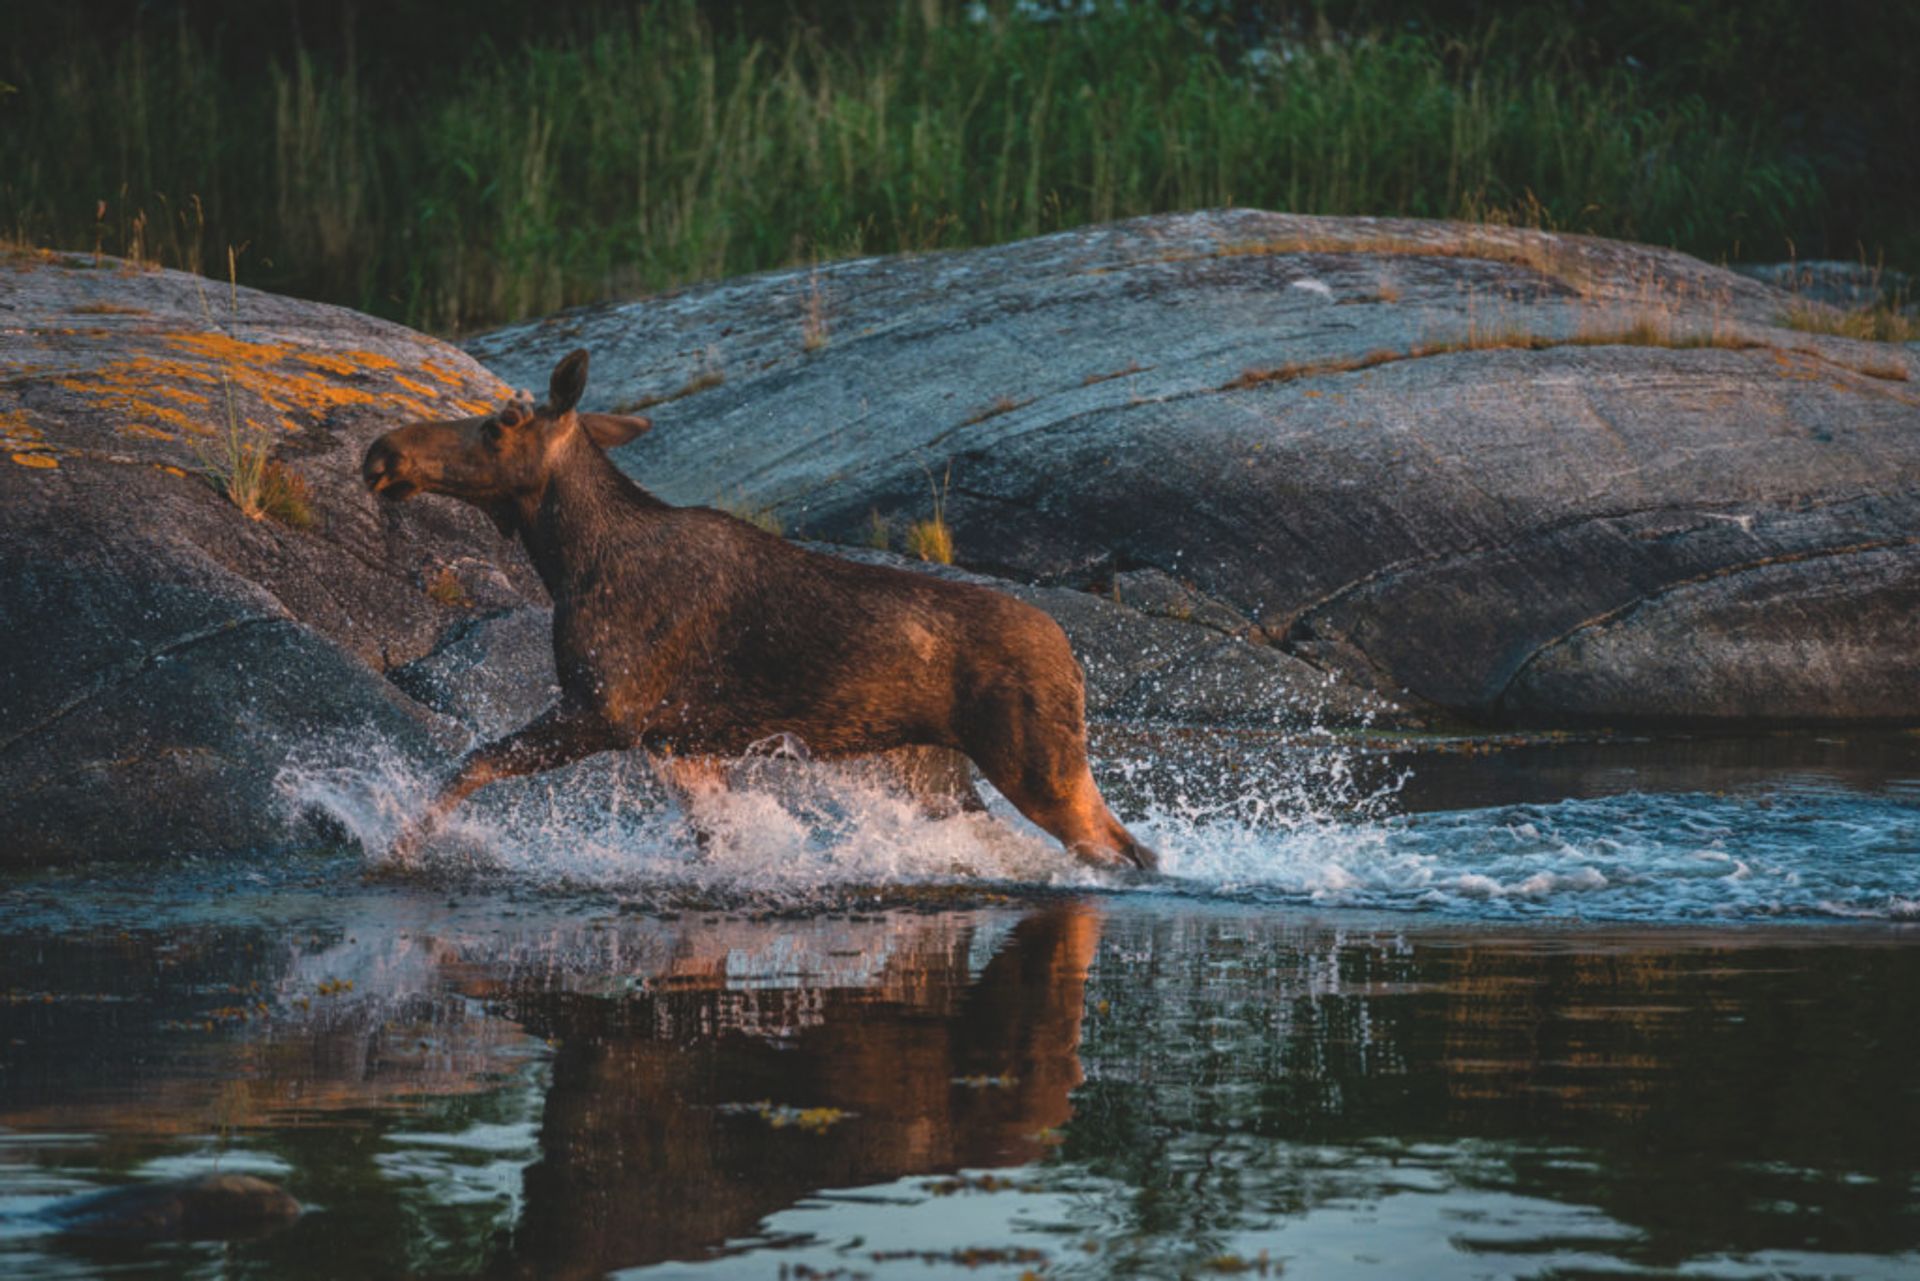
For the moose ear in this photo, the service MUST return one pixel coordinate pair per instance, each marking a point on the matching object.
(612, 430)
(569, 383)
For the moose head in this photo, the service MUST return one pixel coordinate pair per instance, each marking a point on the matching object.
(501, 462)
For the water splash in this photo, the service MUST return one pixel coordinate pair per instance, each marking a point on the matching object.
(786, 830)
(1303, 826)
(1769, 854)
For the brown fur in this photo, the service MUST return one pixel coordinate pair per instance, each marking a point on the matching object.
(692, 634)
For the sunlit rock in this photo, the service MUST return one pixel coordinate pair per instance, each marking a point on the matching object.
(1508, 474)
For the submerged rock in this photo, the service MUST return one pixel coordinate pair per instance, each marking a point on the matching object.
(205, 1207)
(1516, 476)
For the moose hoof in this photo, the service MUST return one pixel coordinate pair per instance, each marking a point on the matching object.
(1133, 863)
(402, 859)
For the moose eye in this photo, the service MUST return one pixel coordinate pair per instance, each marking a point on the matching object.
(491, 431)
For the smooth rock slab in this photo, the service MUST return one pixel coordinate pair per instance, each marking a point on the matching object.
(1425, 458)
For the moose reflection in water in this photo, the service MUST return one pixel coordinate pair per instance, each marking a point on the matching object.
(698, 1078)
(927, 1070)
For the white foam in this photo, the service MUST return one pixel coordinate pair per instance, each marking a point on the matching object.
(608, 823)
(1288, 828)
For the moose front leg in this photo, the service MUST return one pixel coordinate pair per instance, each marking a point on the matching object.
(559, 736)
(691, 780)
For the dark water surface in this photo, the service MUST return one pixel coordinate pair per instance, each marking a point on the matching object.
(1408, 1073)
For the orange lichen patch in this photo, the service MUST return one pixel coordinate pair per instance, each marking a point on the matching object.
(268, 384)
(128, 390)
(182, 395)
(26, 444)
(348, 363)
(170, 469)
(133, 389)
(236, 352)
(444, 373)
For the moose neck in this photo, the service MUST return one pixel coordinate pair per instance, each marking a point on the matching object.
(582, 517)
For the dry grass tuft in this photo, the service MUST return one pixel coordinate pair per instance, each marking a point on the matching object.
(446, 589)
(1546, 254)
(109, 309)
(931, 540)
(1885, 323)
(1002, 405)
(879, 531)
(763, 518)
(262, 487)
(1297, 369)
(1385, 292)
(240, 463)
(813, 323)
(1642, 331)
(1133, 367)
(706, 380)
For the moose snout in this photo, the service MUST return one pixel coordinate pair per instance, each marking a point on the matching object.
(384, 470)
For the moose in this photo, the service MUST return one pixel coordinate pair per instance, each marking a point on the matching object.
(693, 635)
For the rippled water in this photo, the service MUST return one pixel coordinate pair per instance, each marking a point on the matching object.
(1584, 1010)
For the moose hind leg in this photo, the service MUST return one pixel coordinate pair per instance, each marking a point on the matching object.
(1077, 816)
(1040, 764)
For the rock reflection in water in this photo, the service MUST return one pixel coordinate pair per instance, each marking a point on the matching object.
(544, 1090)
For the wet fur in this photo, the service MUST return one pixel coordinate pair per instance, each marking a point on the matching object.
(693, 634)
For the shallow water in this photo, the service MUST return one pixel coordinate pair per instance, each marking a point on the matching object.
(1588, 1010)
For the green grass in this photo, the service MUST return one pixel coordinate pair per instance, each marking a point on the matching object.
(655, 152)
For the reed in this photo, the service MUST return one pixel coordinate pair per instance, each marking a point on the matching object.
(653, 150)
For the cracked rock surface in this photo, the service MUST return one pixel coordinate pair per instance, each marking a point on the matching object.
(1515, 476)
